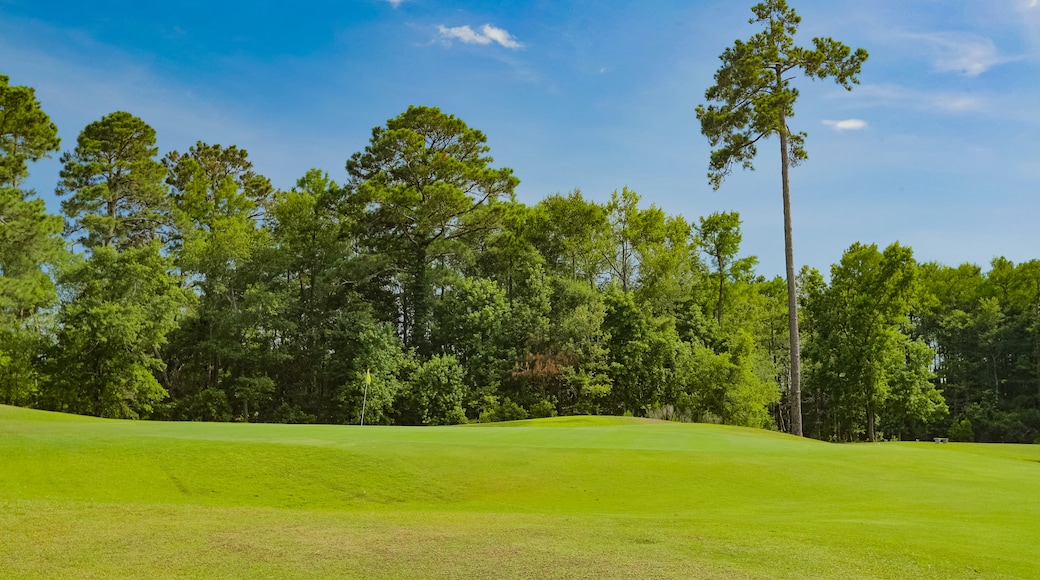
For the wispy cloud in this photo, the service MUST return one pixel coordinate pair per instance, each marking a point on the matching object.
(395, 3)
(932, 101)
(1008, 106)
(486, 35)
(846, 124)
(960, 52)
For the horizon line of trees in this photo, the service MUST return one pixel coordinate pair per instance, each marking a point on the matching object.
(186, 287)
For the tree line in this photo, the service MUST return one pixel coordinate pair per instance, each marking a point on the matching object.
(185, 286)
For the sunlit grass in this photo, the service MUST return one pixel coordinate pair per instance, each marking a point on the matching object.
(568, 497)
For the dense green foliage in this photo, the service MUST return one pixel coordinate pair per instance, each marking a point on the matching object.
(188, 288)
(864, 363)
(30, 244)
(568, 497)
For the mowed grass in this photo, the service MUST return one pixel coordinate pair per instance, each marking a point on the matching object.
(577, 497)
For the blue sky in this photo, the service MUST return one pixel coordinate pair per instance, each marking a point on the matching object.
(939, 147)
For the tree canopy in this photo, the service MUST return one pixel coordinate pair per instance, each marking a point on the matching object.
(195, 290)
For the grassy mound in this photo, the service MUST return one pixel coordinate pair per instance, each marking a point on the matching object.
(574, 497)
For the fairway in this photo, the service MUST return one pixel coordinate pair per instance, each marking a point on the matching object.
(573, 497)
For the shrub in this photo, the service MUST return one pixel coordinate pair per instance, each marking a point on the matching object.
(208, 405)
(543, 408)
(435, 393)
(961, 431)
(287, 413)
(507, 410)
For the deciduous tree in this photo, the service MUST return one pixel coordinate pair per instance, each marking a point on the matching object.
(120, 308)
(720, 237)
(865, 362)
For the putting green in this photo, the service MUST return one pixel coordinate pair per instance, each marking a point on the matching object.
(574, 497)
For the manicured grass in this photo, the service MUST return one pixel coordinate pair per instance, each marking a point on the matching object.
(577, 497)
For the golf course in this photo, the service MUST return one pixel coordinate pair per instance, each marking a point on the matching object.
(573, 497)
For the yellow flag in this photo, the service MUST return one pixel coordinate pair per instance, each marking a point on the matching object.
(368, 377)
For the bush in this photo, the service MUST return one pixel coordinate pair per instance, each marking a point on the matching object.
(287, 413)
(209, 404)
(961, 431)
(435, 393)
(543, 408)
(507, 410)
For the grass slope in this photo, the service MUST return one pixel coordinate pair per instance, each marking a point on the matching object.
(577, 497)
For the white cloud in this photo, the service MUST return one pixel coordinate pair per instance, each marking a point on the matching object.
(395, 3)
(500, 36)
(954, 103)
(486, 35)
(959, 52)
(846, 124)
(463, 33)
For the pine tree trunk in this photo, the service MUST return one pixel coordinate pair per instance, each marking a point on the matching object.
(718, 306)
(792, 290)
(420, 304)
